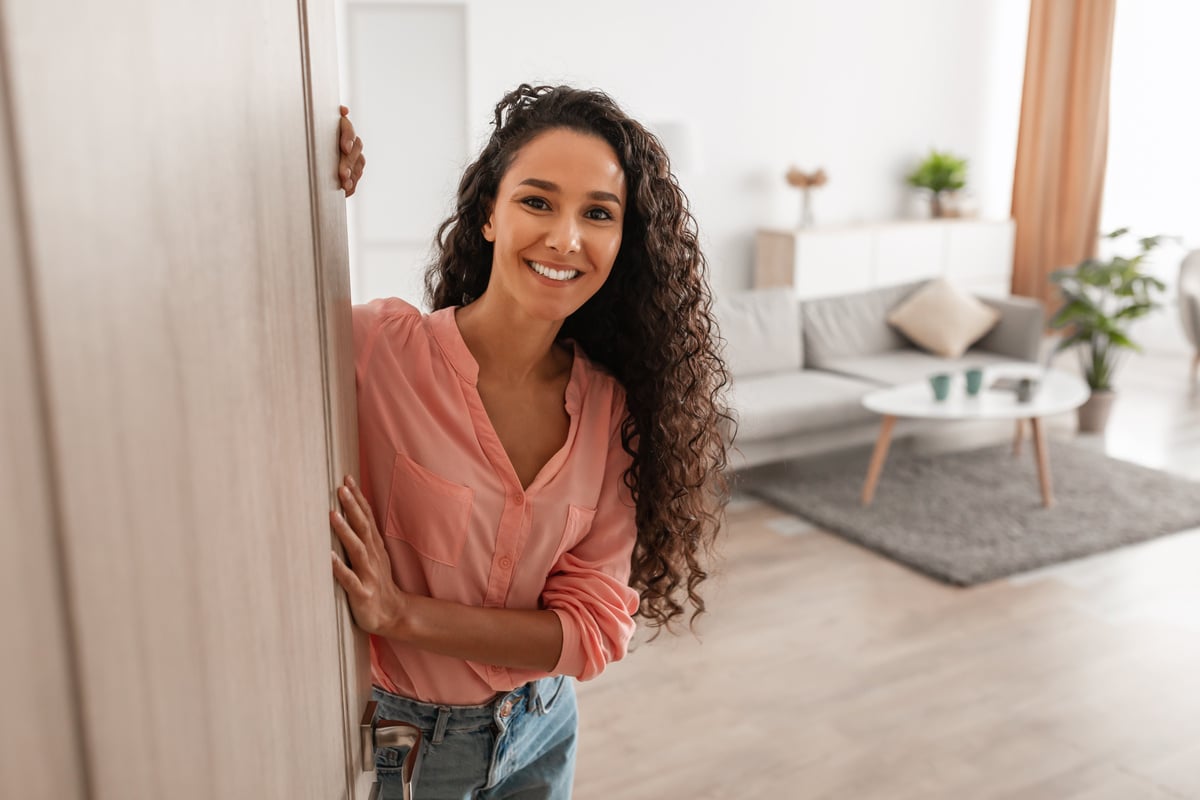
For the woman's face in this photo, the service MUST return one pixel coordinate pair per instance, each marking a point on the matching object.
(559, 211)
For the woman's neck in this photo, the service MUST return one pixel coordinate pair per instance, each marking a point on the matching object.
(510, 346)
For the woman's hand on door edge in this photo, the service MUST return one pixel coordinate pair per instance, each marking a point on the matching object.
(351, 160)
(376, 602)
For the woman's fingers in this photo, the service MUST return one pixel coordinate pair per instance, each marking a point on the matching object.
(375, 599)
(365, 507)
(350, 167)
(351, 161)
(357, 515)
(347, 163)
(346, 577)
(364, 522)
(349, 173)
(359, 498)
(351, 183)
(356, 548)
(364, 581)
(346, 135)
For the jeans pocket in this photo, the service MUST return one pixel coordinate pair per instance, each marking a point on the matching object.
(549, 690)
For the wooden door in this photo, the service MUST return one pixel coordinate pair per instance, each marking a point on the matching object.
(175, 314)
(40, 752)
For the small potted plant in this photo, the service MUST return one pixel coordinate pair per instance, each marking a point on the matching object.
(939, 172)
(1100, 300)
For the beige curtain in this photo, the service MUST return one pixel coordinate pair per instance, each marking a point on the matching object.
(1063, 141)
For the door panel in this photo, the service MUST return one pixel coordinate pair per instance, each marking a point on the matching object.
(38, 724)
(188, 338)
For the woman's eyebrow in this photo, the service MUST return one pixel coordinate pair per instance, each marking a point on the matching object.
(548, 186)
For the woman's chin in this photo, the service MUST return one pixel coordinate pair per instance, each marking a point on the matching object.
(550, 309)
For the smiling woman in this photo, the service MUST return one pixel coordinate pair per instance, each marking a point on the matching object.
(558, 214)
(541, 454)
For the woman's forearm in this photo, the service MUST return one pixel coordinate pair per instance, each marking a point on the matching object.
(507, 637)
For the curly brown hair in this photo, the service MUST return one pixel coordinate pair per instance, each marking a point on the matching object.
(651, 325)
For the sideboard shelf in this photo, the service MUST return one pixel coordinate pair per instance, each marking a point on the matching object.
(838, 259)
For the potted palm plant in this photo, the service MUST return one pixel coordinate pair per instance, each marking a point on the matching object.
(939, 172)
(1100, 300)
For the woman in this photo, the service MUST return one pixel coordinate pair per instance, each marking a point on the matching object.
(543, 449)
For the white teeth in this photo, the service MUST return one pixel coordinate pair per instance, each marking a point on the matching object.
(553, 274)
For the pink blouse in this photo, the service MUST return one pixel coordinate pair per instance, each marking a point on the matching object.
(457, 524)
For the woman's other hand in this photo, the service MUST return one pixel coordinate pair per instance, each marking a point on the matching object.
(352, 161)
(376, 601)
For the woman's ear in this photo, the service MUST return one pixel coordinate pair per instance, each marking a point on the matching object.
(489, 228)
(489, 232)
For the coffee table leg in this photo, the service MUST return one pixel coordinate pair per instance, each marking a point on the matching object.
(1043, 463)
(877, 459)
(1017, 439)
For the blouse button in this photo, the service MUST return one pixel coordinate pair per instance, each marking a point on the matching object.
(518, 498)
(506, 562)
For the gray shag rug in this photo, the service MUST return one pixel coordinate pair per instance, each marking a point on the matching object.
(973, 516)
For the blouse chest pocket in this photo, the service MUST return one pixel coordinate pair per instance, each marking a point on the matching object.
(579, 522)
(429, 512)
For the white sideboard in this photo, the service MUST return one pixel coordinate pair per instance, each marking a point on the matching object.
(838, 259)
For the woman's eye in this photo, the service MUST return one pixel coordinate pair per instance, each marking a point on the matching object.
(603, 214)
(536, 202)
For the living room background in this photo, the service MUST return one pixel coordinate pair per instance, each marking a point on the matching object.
(863, 89)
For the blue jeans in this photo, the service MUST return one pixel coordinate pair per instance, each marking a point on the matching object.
(520, 745)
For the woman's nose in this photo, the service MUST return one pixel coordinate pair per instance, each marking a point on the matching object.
(563, 236)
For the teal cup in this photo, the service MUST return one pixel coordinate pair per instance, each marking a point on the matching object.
(941, 385)
(974, 381)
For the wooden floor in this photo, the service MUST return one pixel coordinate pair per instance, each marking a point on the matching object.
(825, 671)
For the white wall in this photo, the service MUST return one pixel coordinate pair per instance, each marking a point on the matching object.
(405, 79)
(860, 87)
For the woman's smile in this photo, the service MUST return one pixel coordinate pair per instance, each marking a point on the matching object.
(560, 276)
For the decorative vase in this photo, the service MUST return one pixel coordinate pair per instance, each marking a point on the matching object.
(1093, 415)
(806, 214)
(805, 182)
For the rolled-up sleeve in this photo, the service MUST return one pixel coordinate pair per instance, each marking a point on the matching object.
(588, 586)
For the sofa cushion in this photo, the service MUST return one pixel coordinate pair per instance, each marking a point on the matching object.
(791, 402)
(853, 324)
(910, 364)
(943, 319)
(762, 331)
(1018, 334)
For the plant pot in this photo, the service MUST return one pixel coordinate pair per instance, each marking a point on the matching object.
(935, 205)
(1093, 415)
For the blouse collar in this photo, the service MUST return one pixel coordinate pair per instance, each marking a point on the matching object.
(445, 330)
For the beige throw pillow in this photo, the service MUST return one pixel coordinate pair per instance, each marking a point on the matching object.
(943, 319)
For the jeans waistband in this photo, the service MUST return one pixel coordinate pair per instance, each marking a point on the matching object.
(442, 717)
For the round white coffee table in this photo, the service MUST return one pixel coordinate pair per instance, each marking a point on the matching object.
(1056, 392)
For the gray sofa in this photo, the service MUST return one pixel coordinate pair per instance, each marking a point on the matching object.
(801, 368)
